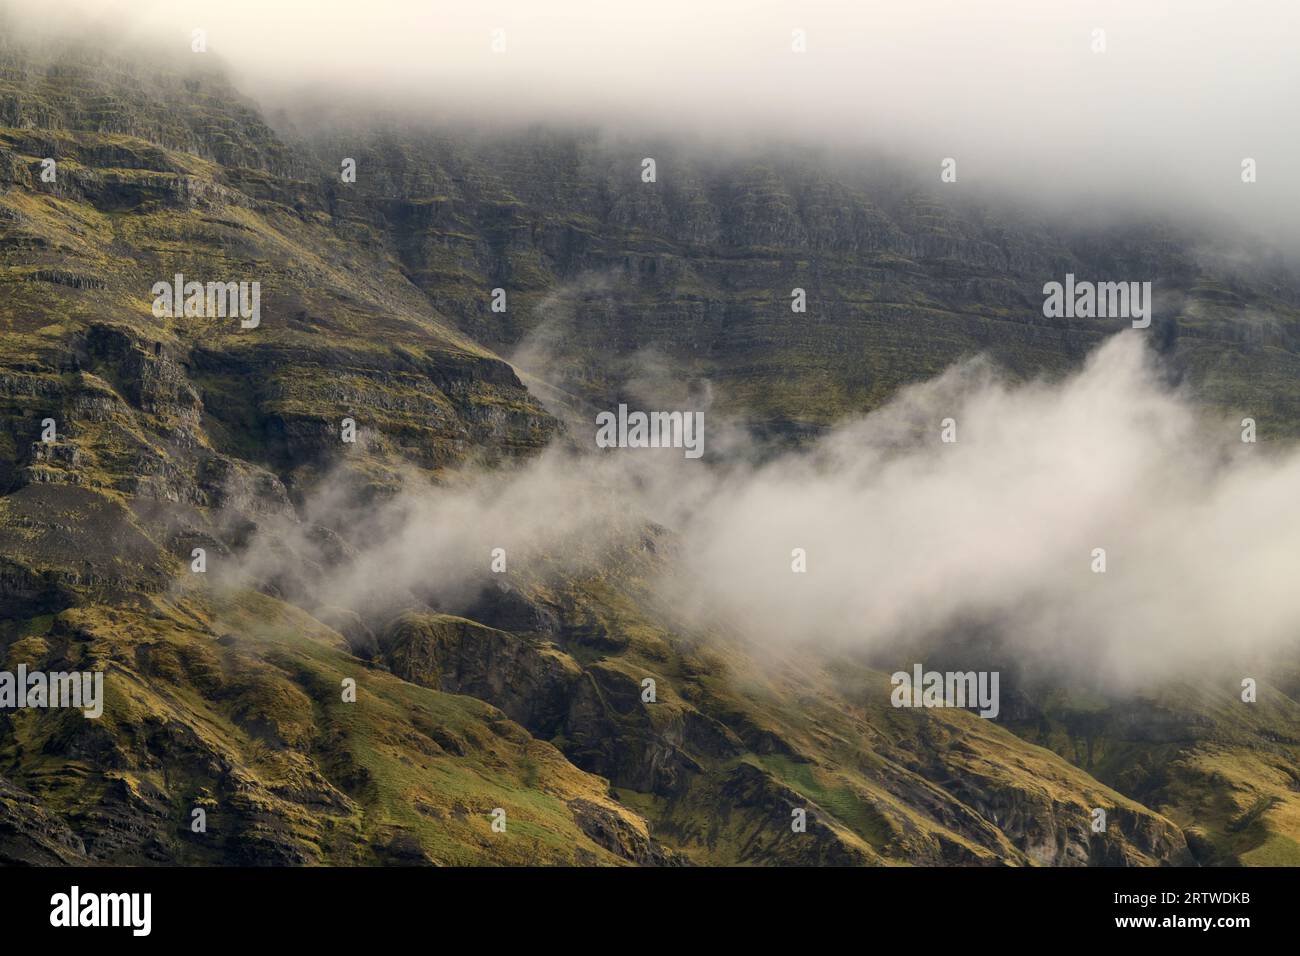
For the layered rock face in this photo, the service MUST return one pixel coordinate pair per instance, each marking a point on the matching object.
(183, 432)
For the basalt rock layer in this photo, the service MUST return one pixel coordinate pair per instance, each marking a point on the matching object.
(128, 440)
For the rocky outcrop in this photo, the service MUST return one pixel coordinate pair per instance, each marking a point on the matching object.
(620, 836)
(29, 836)
(531, 684)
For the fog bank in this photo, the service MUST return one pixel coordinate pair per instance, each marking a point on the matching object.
(1107, 102)
(906, 537)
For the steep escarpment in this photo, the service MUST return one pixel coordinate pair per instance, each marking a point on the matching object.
(185, 430)
(697, 270)
(604, 729)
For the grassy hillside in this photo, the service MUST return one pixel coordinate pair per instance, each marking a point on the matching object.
(177, 433)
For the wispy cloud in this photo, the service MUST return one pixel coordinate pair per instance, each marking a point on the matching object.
(907, 537)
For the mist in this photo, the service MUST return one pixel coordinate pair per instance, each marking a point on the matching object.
(1020, 93)
(906, 537)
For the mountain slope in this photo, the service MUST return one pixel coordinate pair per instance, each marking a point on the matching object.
(192, 432)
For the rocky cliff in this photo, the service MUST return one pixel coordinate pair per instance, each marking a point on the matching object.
(172, 433)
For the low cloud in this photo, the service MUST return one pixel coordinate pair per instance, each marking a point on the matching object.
(1109, 103)
(907, 537)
